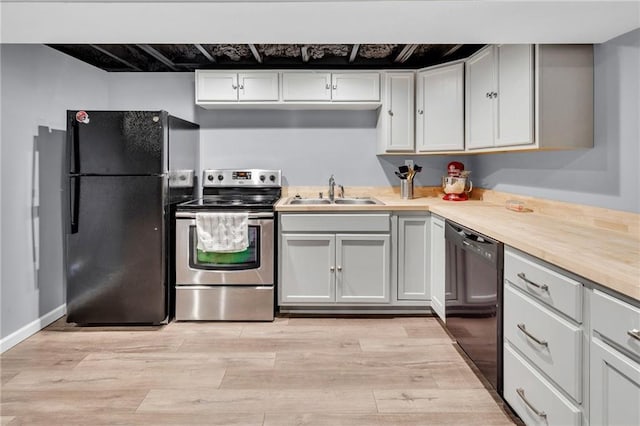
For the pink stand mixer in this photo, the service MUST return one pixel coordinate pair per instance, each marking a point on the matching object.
(456, 185)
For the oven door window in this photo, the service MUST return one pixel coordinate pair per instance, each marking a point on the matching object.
(215, 261)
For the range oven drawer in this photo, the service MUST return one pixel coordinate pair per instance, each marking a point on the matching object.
(224, 303)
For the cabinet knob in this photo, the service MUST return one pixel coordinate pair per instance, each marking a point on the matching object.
(488, 95)
(234, 87)
(331, 268)
(335, 87)
(420, 112)
(327, 86)
(242, 87)
(495, 94)
(390, 113)
(339, 268)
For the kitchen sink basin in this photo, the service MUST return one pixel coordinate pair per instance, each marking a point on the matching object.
(337, 201)
(356, 201)
(309, 201)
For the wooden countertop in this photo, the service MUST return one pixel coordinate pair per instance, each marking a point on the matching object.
(601, 253)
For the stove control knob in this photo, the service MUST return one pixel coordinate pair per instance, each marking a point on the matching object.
(272, 178)
(210, 177)
(220, 177)
(261, 178)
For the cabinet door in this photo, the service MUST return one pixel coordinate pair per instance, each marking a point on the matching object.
(399, 112)
(440, 112)
(306, 86)
(307, 268)
(514, 100)
(360, 87)
(216, 86)
(413, 258)
(362, 268)
(437, 267)
(615, 387)
(258, 86)
(480, 84)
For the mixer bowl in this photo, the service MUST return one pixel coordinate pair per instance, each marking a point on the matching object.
(456, 188)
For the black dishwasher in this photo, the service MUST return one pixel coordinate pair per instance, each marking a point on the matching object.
(473, 311)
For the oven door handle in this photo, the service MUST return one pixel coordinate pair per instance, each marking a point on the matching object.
(252, 216)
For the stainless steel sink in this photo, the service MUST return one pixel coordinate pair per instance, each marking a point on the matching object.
(338, 201)
(309, 201)
(356, 201)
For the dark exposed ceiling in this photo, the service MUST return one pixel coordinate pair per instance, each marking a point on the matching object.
(189, 57)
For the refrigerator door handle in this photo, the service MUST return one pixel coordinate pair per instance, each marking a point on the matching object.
(75, 149)
(74, 196)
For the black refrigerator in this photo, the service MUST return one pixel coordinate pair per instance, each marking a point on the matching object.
(120, 199)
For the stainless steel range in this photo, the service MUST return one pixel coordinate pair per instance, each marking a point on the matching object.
(231, 286)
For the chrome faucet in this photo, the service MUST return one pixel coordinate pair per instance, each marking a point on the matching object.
(332, 187)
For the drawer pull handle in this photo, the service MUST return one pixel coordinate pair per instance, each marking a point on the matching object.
(635, 333)
(520, 392)
(524, 278)
(532, 337)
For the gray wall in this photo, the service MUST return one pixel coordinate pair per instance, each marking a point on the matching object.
(38, 85)
(605, 176)
(308, 146)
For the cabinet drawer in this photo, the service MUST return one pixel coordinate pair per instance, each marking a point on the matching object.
(527, 390)
(550, 287)
(616, 321)
(559, 352)
(335, 222)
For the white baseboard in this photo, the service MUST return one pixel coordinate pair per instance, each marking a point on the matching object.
(31, 328)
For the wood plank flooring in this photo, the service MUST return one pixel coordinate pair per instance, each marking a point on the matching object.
(295, 371)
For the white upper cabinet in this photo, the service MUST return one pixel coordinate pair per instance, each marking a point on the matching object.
(327, 86)
(215, 86)
(480, 86)
(440, 109)
(514, 101)
(258, 86)
(306, 86)
(520, 96)
(500, 101)
(396, 119)
(288, 89)
(362, 87)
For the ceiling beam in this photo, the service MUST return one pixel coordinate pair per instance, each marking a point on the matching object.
(205, 53)
(159, 56)
(406, 53)
(305, 53)
(117, 58)
(452, 50)
(354, 52)
(255, 52)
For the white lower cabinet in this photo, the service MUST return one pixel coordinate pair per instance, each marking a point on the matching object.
(414, 242)
(614, 361)
(363, 265)
(543, 343)
(533, 397)
(438, 265)
(328, 268)
(308, 268)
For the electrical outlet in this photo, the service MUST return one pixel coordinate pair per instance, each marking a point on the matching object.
(409, 163)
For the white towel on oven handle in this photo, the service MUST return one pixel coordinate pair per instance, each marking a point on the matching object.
(222, 232)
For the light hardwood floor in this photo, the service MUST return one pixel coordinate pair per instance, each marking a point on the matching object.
(396, 371)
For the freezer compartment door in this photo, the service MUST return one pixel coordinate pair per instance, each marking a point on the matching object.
(117, 142)
(116, 258)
